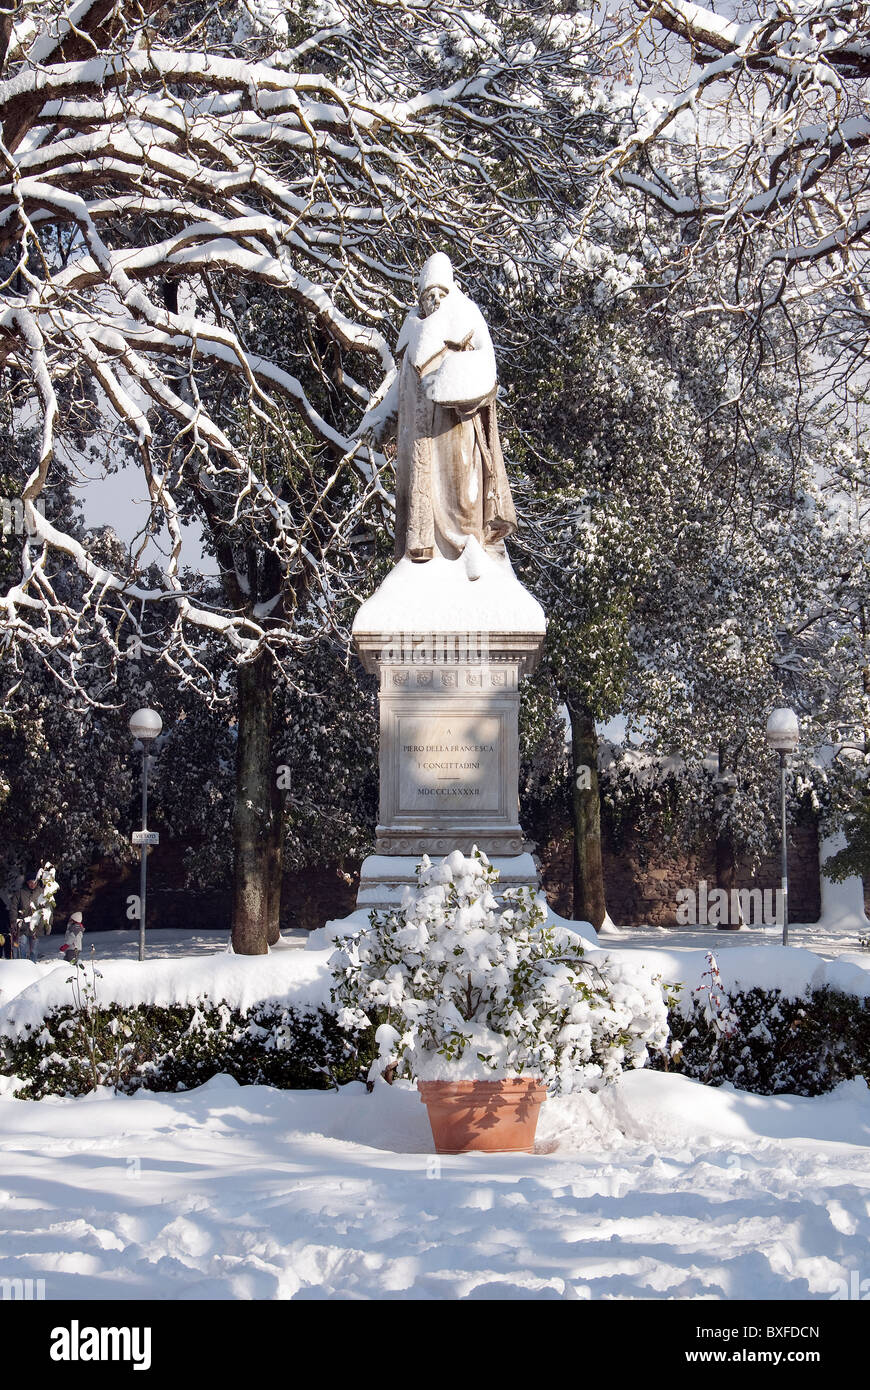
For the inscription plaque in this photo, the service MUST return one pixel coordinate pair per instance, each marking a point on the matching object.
(449, 762)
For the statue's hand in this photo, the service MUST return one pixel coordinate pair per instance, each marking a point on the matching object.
(497, 529)
(378, 421)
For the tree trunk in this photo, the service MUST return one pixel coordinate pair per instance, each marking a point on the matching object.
(726, 867)
(256, 836)
(726, 853)
(273, 856)
(586, 814)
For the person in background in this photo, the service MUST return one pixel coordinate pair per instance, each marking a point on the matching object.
(72, 941)
(5, 931)
(14, 938)
(29, 895)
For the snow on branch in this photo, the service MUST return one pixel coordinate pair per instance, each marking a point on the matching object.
(209, 233)
(750, 136)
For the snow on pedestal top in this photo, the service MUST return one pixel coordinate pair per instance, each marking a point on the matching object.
(440, 596)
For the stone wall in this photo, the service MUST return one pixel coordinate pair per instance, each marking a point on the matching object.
(310, 896)
(642, 882)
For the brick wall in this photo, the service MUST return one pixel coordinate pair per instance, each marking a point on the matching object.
(641, 885)
(642, 882)
(310, 896)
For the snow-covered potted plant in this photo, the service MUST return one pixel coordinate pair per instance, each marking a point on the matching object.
(487, 1006)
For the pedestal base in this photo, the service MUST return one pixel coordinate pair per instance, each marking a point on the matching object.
(449, 646)
(384, 877)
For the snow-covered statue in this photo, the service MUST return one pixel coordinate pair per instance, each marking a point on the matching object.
(451, 482)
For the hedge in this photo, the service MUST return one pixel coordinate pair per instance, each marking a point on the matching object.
(767, 1044)
(173, 1048)
(773, 1045)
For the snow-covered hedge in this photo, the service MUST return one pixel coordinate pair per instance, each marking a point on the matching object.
(768, 1019)
(792, 970)
(461, 987)
(162, 1047)
(768, 1042)
(29, 993)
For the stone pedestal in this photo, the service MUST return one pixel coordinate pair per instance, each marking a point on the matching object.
(384, 878)
(449, 651)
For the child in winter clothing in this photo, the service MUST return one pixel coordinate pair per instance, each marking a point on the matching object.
(72, 941)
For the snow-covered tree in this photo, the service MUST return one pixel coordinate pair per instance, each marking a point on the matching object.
(462, 988)
(211, 223)
(747, 127)
(160, 160)
(830, 652)
(674, 538)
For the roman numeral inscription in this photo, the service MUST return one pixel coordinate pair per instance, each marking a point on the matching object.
(449, 762)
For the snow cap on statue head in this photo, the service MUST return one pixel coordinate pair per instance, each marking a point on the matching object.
(436, 271)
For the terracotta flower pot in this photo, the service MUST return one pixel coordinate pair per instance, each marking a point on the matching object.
(487, 1116)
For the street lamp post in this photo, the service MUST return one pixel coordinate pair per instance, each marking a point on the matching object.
(145, 725)
(726, 788)
(783, 734)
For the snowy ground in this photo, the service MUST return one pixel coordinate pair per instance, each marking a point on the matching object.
(124, 944)
(658, 1188)
(661, 1188)
(822, 938)
(819, 937)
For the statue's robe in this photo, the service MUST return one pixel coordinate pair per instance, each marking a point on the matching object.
(451, 481)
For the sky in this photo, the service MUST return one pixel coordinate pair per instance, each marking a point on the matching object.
(120, 500)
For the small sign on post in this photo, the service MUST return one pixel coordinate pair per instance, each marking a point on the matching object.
(146, 837)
